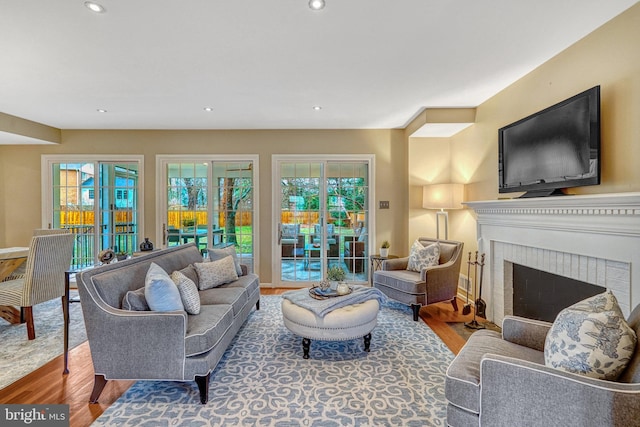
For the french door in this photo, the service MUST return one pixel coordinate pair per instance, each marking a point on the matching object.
(97, 199)
(321, 217)
(209, 200)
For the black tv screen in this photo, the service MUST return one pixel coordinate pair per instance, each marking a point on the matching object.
(553, 149)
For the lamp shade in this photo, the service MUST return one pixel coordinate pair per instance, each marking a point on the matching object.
(442, 196)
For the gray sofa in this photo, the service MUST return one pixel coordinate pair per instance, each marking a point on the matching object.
(150, 345)
(501, 380)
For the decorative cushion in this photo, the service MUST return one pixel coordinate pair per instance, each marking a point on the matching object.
(135, 301)
(317, 229)
(591, 338)
(421, 257)
(216, 273)
(217, 254)
(160, 291)
(188, 292)
(191, 273)
(289, 231)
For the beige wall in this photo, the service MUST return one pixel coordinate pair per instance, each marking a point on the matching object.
(609, 57)
(20, 211)
(429, 163)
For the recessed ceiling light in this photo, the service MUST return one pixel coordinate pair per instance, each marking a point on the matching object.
(101, 110)
(208, 109)
(316, 4)
(317, 107)
(94, 7)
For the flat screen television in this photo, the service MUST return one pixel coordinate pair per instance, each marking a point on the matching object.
(553, 149)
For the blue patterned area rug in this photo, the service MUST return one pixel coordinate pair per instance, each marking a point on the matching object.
(263, 380)
(19, 356)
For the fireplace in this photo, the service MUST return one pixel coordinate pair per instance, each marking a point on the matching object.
(542, 295)
(592, 239)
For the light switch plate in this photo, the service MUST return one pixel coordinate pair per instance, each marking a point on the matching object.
(384, 204)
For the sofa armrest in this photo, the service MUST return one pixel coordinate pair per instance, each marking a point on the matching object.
(395, 264)
(135, 344)
(513, 389)
(527, 332)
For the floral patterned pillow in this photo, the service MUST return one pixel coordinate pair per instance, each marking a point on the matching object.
(421, 257)
(591, 338)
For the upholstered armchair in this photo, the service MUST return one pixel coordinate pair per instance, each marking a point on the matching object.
(428, 286)
(291, 241)
(19, 272)
(332, 239)
(354, 253)
(44, 277)
(502, 380)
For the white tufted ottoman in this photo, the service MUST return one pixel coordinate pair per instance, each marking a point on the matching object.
(346, 323)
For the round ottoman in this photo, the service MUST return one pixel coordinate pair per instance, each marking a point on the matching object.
(345, 323)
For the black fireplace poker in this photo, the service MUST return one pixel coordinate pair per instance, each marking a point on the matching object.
(474, 324)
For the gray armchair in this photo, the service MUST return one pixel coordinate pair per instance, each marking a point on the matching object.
(501, 380)
(431, 285)
(332, 239)
(292, 241)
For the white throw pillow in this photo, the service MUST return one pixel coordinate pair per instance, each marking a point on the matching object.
(160, 291)
(188, 292)
(217, 254)
(216, 273)
(591, 338)
(421, 257)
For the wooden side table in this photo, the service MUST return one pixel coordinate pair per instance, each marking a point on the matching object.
(376, 263)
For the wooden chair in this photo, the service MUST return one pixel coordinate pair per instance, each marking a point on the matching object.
(48, 260)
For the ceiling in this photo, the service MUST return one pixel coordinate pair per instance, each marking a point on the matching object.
(264, 64)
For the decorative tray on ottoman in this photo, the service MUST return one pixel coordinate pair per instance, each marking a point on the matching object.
(319, 293)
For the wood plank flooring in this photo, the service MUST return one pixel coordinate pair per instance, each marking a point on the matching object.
(48, 385)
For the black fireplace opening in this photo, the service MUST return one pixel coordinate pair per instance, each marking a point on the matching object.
(541, 295)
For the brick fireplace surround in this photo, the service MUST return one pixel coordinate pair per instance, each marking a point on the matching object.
(591, 238)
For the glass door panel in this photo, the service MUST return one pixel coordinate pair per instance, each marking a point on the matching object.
(187, 216)
(98, 202)
(233, 208)
(118, 207)
(301, 256)
(74, 208)
(347, 217)
(321, 222)
(210, 203)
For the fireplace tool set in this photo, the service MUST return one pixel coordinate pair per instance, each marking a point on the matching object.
(481, 306)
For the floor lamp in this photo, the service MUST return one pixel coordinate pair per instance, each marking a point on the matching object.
(442, 196)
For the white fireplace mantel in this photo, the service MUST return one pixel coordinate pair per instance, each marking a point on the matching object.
(592, 238)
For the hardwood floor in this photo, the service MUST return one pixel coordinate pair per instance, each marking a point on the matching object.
(47, 385)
